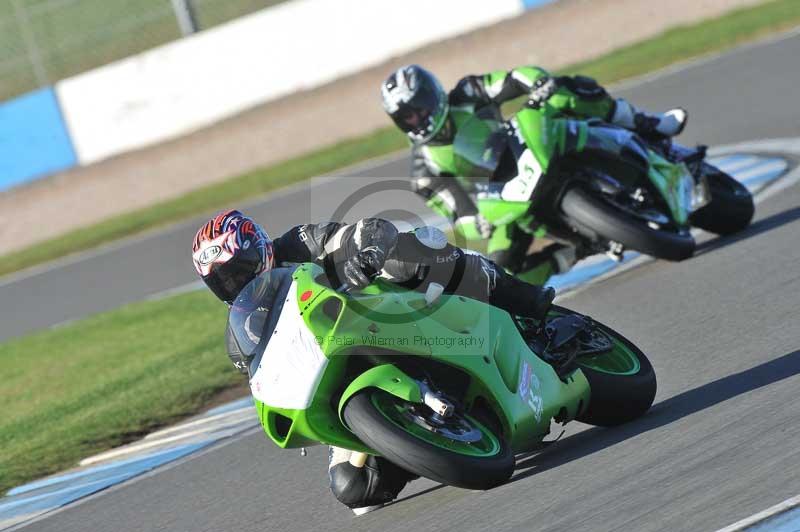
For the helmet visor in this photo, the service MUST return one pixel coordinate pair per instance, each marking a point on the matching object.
(422, 116)
(227, 280)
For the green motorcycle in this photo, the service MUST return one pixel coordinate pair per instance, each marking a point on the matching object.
(444, 386)
(595, 184)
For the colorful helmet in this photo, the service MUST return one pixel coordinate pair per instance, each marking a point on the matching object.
(416, 101)
(229, 251)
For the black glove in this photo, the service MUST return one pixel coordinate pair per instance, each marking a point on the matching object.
(359, 271)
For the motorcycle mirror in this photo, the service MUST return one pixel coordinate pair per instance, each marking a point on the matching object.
(433, 292)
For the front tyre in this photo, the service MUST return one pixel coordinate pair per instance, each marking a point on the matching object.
(592, 214)
(465, 453)
(731, 208)
(622, 383)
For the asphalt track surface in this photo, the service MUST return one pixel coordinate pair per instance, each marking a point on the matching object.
(721, 330)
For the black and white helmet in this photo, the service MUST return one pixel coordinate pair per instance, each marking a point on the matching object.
(416, 101)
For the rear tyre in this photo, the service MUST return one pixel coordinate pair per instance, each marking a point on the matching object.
(731, 208)
(622, 382)
(593, 214)
(388, 425)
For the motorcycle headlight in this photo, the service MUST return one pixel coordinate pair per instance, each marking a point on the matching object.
(701, 195)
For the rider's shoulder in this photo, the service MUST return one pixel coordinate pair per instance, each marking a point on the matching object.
(468, 89)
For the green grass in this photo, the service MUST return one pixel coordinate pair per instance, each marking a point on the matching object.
(72, 391)
(71, 37)
(672, 46)
(693, 40)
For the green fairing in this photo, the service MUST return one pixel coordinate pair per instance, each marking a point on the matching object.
(387, 378)
(442, 155)
(474, 338)
(669, 178)
(499, 212)
(540, 135)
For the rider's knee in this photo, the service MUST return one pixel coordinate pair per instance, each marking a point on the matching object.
(377, 482)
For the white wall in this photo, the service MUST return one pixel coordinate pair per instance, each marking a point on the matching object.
(301, 44)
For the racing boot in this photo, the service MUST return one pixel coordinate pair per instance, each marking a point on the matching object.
(520, 298)
(668, 124)
(539, 299)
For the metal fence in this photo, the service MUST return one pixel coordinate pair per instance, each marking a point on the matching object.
(42, 41)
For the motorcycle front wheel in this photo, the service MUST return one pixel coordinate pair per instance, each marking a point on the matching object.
(731, 208)
(462, 453)
(622, 383)
(591, 214)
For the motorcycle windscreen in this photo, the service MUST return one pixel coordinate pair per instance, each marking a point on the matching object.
(619, 144)
(478, 146)
(255, 311)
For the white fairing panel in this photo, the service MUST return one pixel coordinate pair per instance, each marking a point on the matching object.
(292, 365)
(521, 187)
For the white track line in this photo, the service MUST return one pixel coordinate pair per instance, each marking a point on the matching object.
(226, 418)
(144, 445)
(785, 506)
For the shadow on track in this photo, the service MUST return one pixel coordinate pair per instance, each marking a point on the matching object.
(413, 495)
(756, 228)
(664, 413)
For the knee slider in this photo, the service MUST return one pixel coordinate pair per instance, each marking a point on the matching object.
(352, 485)
(375, 483)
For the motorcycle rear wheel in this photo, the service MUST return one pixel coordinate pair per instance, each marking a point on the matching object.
(387, 424)
(591, 214)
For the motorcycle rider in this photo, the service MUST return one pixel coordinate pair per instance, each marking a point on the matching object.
(231, 249)
(431, 117)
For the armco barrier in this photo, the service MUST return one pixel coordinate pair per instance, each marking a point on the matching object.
(33, 138)
(298, 45)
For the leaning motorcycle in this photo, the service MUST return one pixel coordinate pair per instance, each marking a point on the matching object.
(444, 386)
(596, 185)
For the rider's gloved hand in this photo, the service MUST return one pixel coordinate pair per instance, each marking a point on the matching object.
(541, 91)
(484, 226)
(360, 270)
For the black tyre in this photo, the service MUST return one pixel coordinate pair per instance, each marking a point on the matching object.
(591, 213)
(386, 424)
(622, 382)
(731, 208)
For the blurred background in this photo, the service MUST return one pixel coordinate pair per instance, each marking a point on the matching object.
(48, 40)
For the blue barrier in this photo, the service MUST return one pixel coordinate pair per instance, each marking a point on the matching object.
(530, 4)
(34, 140)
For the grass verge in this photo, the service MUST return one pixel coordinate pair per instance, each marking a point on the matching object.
(106, 380)
(675, 45)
